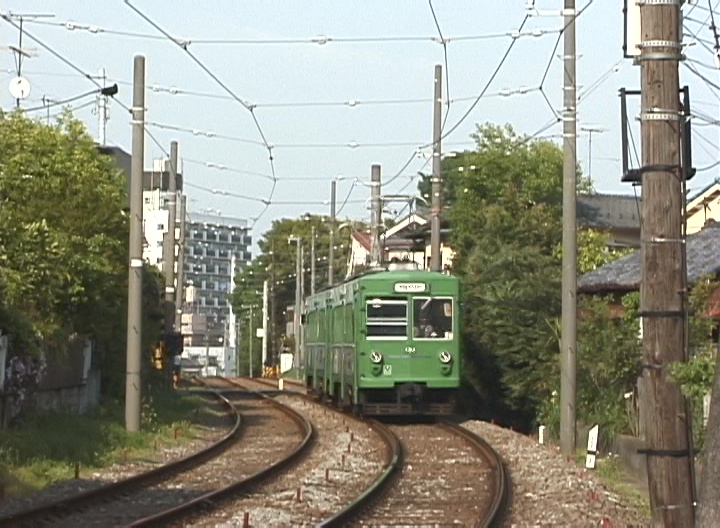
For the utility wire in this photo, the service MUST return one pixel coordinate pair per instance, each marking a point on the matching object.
(447, 68)
(317, 40)
(349, 103)
(61, 102)
(249, 108)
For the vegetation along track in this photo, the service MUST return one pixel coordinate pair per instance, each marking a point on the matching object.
(441, 481)
(232, 465)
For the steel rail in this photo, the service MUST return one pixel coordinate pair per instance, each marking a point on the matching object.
(501, 497)
(242, 486)
(393, 464)
(66, 506)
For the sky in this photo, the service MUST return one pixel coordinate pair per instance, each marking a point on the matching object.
(331, 87)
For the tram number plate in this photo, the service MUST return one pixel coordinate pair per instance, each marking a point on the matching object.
(387, 370)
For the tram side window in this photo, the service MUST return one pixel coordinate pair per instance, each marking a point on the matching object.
(387, 317)
(432, 318)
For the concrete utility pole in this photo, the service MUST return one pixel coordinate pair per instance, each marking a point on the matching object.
(568, 345)
(135, 274)
(102, 109)
(265, 323)
(250, 342)
(180, 289)
(375, 216)
(435, 257)
(331, 249)
(662, 286)
(273, 332)
(312, 260)
(298, 297)
(169, 243)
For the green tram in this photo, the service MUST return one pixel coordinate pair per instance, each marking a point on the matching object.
(385, 343)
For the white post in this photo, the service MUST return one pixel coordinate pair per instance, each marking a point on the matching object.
(592, 447)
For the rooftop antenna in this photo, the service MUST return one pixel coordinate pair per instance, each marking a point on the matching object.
(19, 86)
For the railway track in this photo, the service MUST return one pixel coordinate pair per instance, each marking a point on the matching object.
(235, 464)
(449, 476)
(435, 475)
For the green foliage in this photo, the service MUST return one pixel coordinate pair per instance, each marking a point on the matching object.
(276, 263)
(505, 213)
(61, 228)
(30, 458)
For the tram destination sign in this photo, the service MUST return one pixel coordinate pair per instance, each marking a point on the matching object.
(409, 287)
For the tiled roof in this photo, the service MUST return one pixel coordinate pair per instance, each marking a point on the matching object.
(605, 211)
(703, 258)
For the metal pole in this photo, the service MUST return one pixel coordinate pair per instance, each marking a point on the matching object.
(302, 296)
(250, 342)
(265, 323)
(312, 260)
(590, 155)
(169, 242)
(662, 286)
(331, 249)
(207, 349)
(134, 320)
(102, 110)
(435, 256)
(180, 282)
(568, 347)
(273, 338)
(376, 216)
(298, 300)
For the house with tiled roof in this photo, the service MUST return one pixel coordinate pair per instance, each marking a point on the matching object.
(618, 216)
(409, 239)
(624, 275)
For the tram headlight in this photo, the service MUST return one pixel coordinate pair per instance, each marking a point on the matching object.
(376, 357)
(445, 357)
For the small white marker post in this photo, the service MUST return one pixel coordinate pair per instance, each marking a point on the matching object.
(280, 384)
(541, 434)
(592, 447)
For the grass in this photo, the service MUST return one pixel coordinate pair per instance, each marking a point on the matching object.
(45, 447)
(614, 476)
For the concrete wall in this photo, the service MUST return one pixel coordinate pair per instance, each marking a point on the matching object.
(75, 398)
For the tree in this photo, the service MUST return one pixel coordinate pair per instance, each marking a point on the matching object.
(277, 264)
(505, 211)
(63, 236)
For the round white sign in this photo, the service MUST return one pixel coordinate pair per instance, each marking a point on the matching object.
(20, 88)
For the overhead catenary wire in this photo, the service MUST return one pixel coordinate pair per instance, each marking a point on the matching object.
(244, 104)
(315, 40)
(444, 43)
(53, 103)
(77, 69)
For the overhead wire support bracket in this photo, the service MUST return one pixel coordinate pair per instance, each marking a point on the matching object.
(685, 169)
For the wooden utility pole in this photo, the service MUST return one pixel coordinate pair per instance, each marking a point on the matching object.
(662, 288)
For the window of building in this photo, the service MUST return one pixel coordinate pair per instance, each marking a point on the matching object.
(210, 252)
(386, 318)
